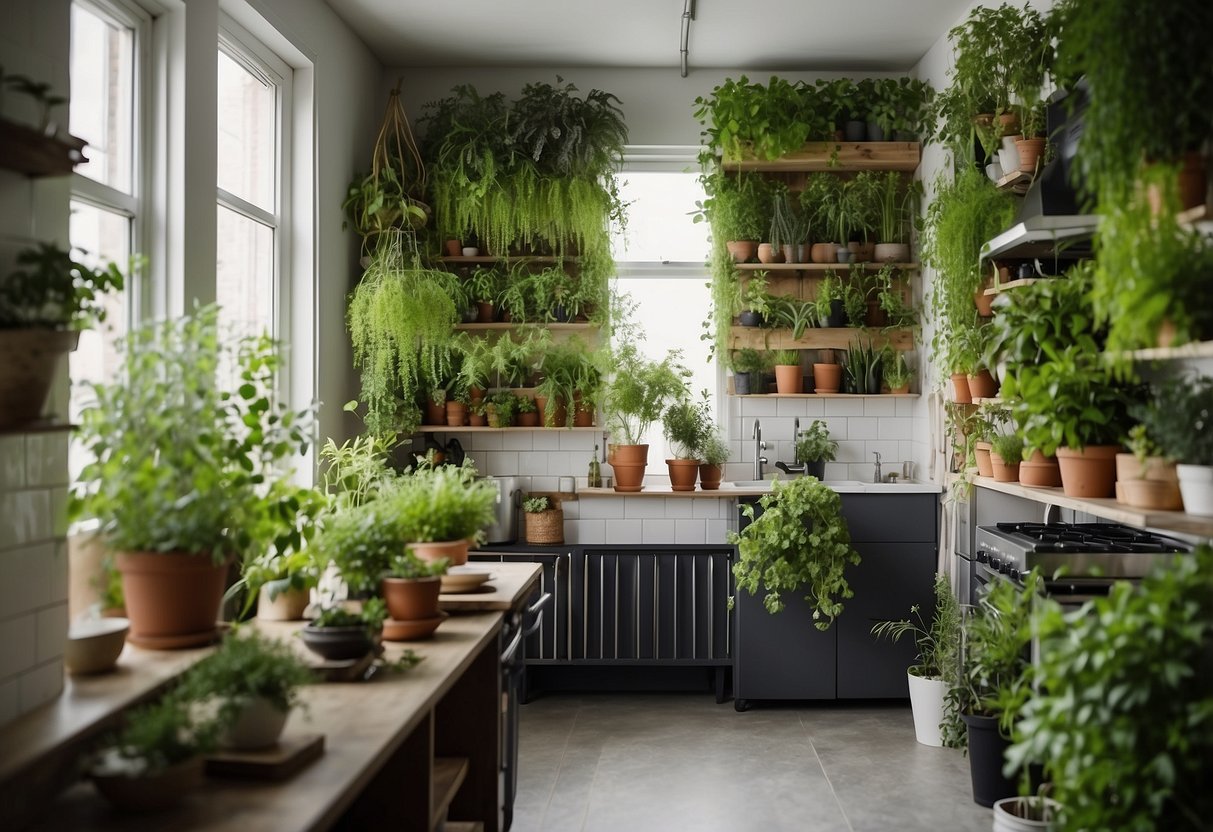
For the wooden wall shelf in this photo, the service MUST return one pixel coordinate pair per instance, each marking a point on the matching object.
(821, 267)
(515, 429)
(841, 338)
(25, 150)
(511, 327)
(825, 395)
(1016, 182)
(851, 156)
(508, 258)
(1015, 284)
(1195, 349)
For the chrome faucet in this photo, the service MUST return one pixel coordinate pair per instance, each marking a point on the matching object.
(877, 477)
(795, 432)
(759, 447)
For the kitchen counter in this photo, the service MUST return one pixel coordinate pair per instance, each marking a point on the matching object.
(732, 491)
(512, 583)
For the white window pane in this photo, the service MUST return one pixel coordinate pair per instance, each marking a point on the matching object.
(660, 226)
(102, 96)
(670, 312)
(244, 280)
(103, 236)
(247, 134)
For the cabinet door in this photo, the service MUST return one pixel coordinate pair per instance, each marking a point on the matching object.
(551, 641)
(781, 656)
(890, 578)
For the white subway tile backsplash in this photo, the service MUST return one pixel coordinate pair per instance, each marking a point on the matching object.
(579, 441)
(849, 451)
(487, 441)
(12, 462)
(18, 645)
(41, 685)
(25, 517)
(737, 471)
(862, 428)
(52, 632)
(705, 509)
(690, 532)
(787, 408)
(591, 531)
(890, 454)
(543, 440)
(659, 531)
(27, 578)
(850, 406)
(522, 440)
(501, 463)
(680, 507)
(533, 463)
(480, 460)
(548, 483)
(715, 531)
(643, 508)
(759, 407)
(880, 407)
(905, 408)
(895, 428)
(838, 427)
(605, 507)
(625, 531)
(572, 509)
(838, 471)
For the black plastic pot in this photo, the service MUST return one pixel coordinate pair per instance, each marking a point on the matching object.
(561, 314)
(987, 748)
(874, 379)
(838, 315)
(748, 318)
(855, 131)
(875, 132)
(337, 643)
(741, 384)
(816, 469)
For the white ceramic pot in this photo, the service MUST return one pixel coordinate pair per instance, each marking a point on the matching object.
(926, 701)
(259, 725)
(994, 171)
(1196, 486)
(287, 605)
(1008, 159)
(1007, 811)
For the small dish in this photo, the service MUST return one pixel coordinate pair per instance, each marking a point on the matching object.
(94, 644)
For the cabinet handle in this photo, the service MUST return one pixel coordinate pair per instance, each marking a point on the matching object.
(508, 655)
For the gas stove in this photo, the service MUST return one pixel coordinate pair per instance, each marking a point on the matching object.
(1084, 550)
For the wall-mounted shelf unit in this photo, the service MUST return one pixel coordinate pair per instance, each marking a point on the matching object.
(825, 395)
(513, 429)
(28, 151)
(578, 326)
(840, 338)
(1013, 284)
(837, 158)
(509, 258)
(821, 267)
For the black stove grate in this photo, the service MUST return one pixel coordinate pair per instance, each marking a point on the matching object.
(1088, 537)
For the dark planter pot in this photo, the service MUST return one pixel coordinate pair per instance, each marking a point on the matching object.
(855, 131)
(741, 384)
(748, 318)
(337, 643)
(875, 132)
(986, 749)
(562, 315)
(838, 315)
(471, 314)
(816, 469)
(874, 380)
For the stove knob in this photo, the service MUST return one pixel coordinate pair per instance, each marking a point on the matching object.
(982, 557)
(1012, 573)
(995, 563)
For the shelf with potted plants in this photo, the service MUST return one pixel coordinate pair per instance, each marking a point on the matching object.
(40, 151)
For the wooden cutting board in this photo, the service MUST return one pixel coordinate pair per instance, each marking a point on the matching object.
(284, 760)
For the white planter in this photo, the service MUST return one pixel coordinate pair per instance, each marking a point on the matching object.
(926, 700)
(1005, 821)
(259, 725)
(1196, 486)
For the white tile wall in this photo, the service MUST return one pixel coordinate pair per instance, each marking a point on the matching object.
(33, 570)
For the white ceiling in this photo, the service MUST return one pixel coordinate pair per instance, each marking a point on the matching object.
(749, 34)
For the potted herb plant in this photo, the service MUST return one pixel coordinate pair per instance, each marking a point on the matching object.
(794, 314)
(338, 634)
(748, 366)
(788, 376)
(755, 302)
(896, 208)
(814, 448)
(897, 372)
(827, 373)
(738, 208)
(501, 408)
(818, 201)
(544, 520)
(800, 543)
(938, 659)
(44, 304)
(410, 589)
(1006, 453)
(831, 311)
(440, 511)
(185, 475)
(1180, 420)
(255, 681)
(713, 454)
(687, 426)
(636, 395)
(527, 415)
(1144, 478)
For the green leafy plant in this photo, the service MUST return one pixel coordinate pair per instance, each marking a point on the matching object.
(639, 390)
(1047, 315)
(938, 643)
(813, 444)
(370, 616)
(738, 207)
(407, 566)
(180, 464)
(788, 227)
(897, 371)
(714, 450)
(1122, 717)
(53, 289)
(536, 505)
(785, 358)
(442, 503)
(1009, 446)
(248, 666)
(800, 543)
(855, 297)
(820, 199)
(743, 118)
(569, 370)
(1178, 417)
(896, 206)
(688, 426)
(796, 315)
(750, 361)
(158, 736)
(830, 290)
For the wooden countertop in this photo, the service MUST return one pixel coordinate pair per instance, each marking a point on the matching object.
(513, 583)
(362, 723)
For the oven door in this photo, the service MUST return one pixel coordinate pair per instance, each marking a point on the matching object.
(1070, 593)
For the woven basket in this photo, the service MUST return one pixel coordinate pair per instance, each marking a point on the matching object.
(545, 526)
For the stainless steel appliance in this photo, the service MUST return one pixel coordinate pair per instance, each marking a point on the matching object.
(520, 623)
(505, 521)
(1078, 560)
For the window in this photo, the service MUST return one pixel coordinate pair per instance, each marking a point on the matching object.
(253, 156)
(660, 259)
(107, 200)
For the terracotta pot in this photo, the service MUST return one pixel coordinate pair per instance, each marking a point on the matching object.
(863, 252)
(824, 253)
(434, 413)
(827, 378)
(28, 370)
(960, 388)
(1040, 471)
(1192, 182)
(891, 253)
(982, 453)
(1001, 470)
(558, 416)
(455, 551)
(788, 378)
(1153, 485)
(456, 414)
(709, 476)
(984, 302)
(477, 420)
(629, 463)
(1090, 472)
(982, 385)
(768, 254)
(1008, 123)
(742, 250)
(1030, 152)
(151, 793)
(172, 599)
(412, 599)
(900, 391)
(583, 415)
(287, 605)
(486, 313)
(788, 252)
(453, 248)
(528, 420)
(683, 473)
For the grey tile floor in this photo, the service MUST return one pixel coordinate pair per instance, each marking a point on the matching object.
(641, 762)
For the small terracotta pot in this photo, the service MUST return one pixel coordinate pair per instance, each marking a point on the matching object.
(583, 415)
(477, 420)
(788, 253)
(453, 248)
(742, 250)
(683, 473)
(1040, 471)
(455, 551)
(629, 463)
(1192, 181)
(960, 388)
(1152, 485)
(768, 254)
(434, 413)
(1090, 472)
(891, 253)
(559, 413)
(984, 302)
(456, 414)
(788, 378)
(486, 313)
(863, 252)
(172, 599)
(1001, 470)
(982, 453)
(982, 385)
(412, 599)
(824, 253)
(528, 420)
(900, 391)
(710, 476)
(1030, 152)
(827, 378)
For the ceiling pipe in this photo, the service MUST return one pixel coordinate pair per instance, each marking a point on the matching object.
(688, 14)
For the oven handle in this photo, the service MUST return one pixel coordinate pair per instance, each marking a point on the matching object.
(508, 655)
(536, 610)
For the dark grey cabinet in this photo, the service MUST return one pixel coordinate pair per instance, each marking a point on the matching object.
(783, 656)
(552, 640)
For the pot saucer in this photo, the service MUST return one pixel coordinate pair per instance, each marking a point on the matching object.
(422, 628)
